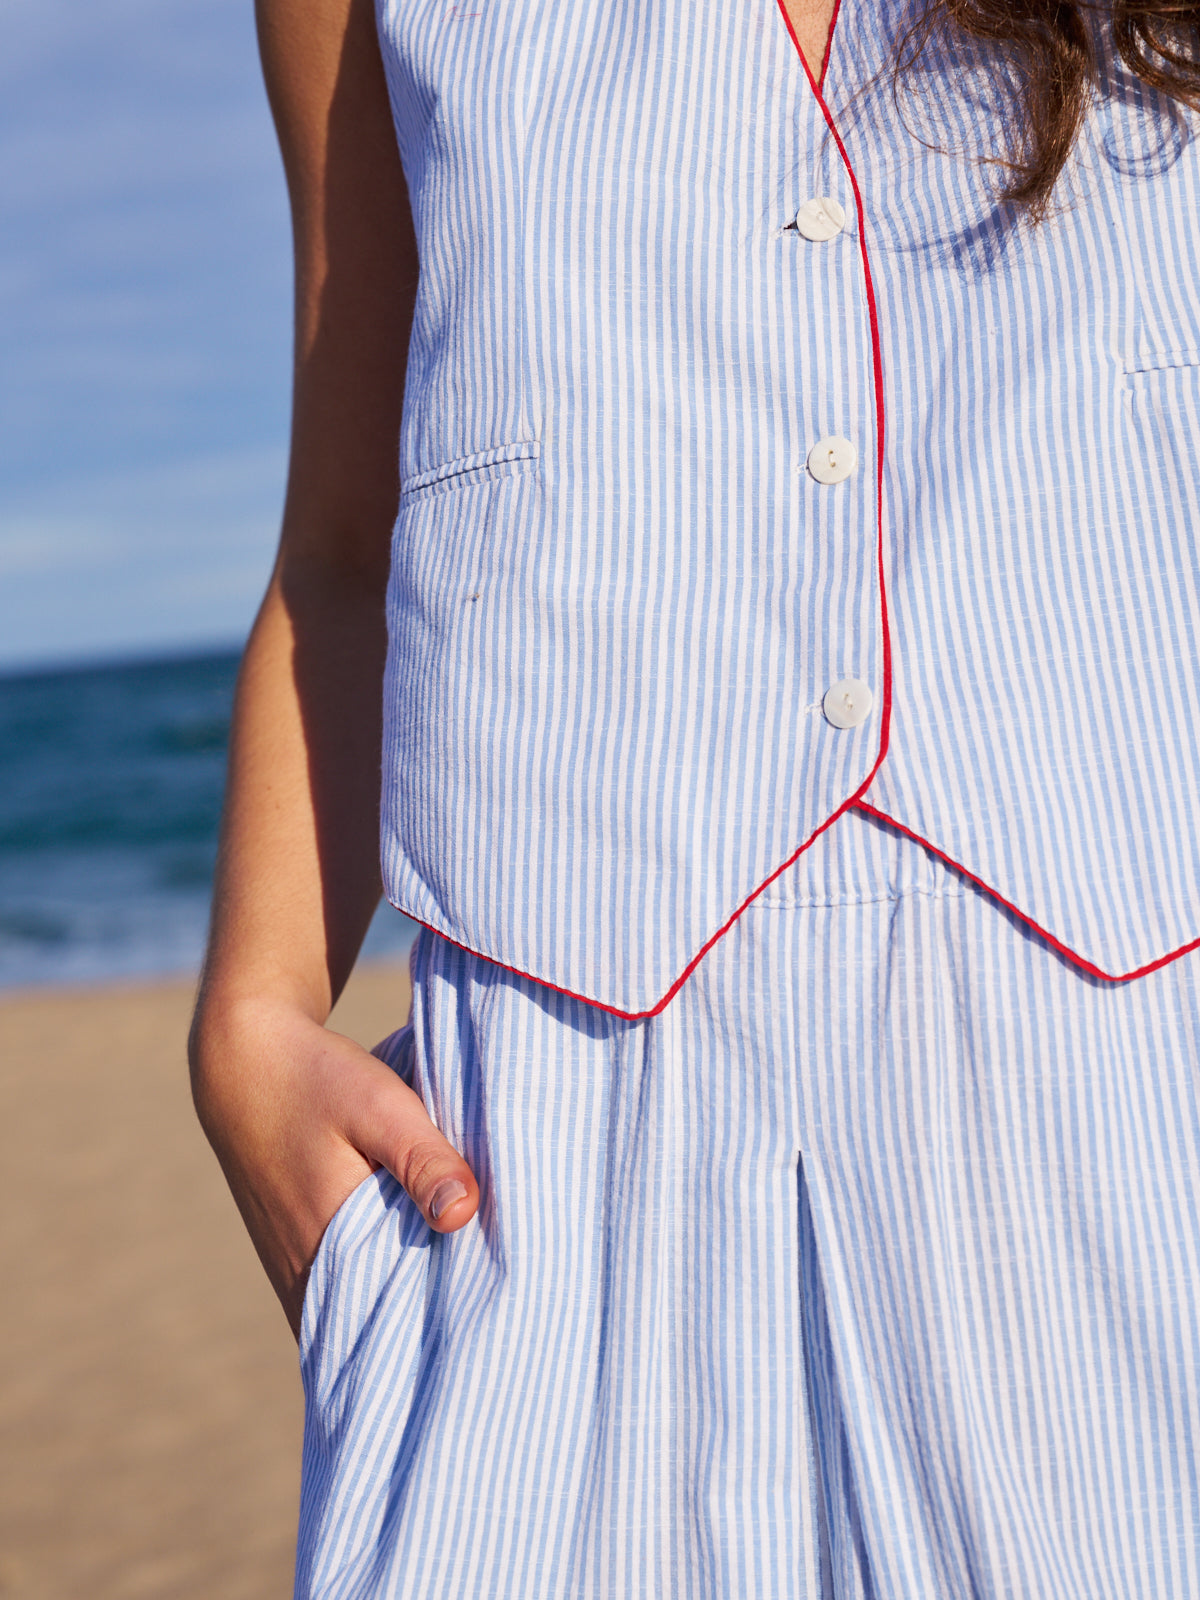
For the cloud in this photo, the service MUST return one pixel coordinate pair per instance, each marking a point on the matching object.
(144, 324)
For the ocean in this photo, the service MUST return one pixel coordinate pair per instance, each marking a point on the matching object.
(110, 793)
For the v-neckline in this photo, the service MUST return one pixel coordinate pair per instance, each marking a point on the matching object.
(816, 70)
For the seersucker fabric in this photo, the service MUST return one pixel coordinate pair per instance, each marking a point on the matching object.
(867, 1270)
(789, 711)
(620, 594)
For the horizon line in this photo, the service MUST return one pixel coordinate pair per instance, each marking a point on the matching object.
(117, 660)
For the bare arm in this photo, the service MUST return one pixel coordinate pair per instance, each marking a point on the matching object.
(297, 1114)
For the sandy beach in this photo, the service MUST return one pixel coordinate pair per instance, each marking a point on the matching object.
(150, 1404)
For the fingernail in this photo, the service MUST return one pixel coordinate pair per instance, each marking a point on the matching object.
(444, 1196)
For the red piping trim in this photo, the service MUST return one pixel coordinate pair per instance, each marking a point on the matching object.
(1055, 944)
(885, 713)
(653, 1011)
(877, 365)
(837, 6)
(886, 710)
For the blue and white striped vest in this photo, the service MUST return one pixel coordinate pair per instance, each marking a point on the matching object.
(622, 594)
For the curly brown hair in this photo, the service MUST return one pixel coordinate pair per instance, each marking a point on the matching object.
(1052, 54)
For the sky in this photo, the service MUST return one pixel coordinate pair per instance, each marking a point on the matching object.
(145, 323)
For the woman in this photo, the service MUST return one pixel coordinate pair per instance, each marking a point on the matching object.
(787, 1183)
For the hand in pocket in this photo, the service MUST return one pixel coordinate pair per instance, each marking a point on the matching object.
(298, 1117)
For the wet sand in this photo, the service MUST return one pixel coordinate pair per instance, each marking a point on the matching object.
(150, 1405)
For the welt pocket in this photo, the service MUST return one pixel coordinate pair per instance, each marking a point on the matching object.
(501, 461)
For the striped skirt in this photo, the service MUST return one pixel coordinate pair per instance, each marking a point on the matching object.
(869, 1269)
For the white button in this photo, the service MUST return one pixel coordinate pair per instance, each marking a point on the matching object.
(832, 460)
(848, 703)
(820, 219)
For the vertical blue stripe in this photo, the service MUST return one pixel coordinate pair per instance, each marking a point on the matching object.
(868, 1268)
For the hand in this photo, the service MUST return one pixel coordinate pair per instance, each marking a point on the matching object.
(298, 1117)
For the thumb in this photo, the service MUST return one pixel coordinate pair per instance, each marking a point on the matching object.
(390, 1125)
